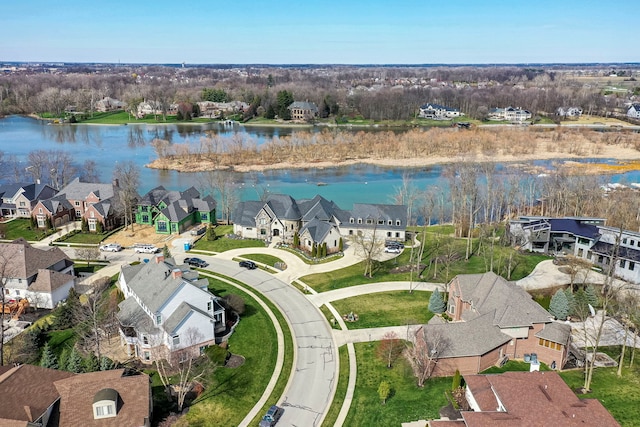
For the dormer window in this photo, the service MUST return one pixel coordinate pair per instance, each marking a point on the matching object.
(105, 404)
(351, 221)
(398, 223)
(389, 222)
(359, 220)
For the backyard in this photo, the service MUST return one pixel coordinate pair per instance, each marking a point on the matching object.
(21, 227)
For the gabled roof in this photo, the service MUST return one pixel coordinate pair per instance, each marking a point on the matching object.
(49, 280)
(317, 229)
(303, 105)
(56, 202)
(180, 314)
(246, 212)
(382, 212)
(77, 190)
(319, 208)
(77, 395)
(437, 107)
(463, 339)
(154, 196)
(284, 206)
(27, 392)
(24, 260)
(510, 305)
(29, 190)
(530, 399)
(153, 283)
(555, 332)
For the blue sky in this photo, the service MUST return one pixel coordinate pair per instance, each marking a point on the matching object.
(327, 32)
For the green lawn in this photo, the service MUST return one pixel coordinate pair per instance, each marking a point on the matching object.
(341, 389)
(223, 243)
(386, 309)
(122, 117)
(59, 340)
(22, 228)
(438, 246)
(407, 402)
(86, 238)
(269, 260)
(619, 395)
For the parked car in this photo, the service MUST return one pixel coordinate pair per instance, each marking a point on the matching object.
(393, 249)
(248, 264)
(111, 247)
(393, 243)
(196, 262)
(143, 248)
(272, 416)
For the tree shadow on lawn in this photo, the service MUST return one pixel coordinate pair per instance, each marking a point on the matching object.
(234, 385)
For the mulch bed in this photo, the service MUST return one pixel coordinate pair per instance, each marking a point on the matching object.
(234, 361)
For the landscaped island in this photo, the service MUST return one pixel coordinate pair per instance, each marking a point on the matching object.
(413, 148)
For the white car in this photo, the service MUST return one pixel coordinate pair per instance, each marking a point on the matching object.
(145, 249)
(111, 247)
(393, 249)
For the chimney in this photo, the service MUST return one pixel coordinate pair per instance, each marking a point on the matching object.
(159, 258)
(176, 273)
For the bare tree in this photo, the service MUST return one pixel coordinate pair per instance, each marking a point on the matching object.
(4, 279)
(127, 177)
(368, 246)
(87, 254)
(389, 348)
(226, 190)
(90, 315)
(423, 355)
(406, 194)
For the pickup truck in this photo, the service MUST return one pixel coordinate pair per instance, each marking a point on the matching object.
(142, 248)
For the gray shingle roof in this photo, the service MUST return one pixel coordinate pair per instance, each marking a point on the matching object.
(317, 229)
(511, 306)
(54, 203)
(153, 283)
(379, 212)
(555, 332)
(245, 213)
(77, 190)
(460, 339)
(303, 105)
(182, 312)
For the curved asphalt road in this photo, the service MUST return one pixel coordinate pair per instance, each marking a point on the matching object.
(311, 386)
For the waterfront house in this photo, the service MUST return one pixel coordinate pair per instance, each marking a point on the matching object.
(634, 111)
(438, 112)
(317, 221)
(108, 104)
(509, 114)
(569, 112)
(18, 200)
(175, 211)
(167, 308)
(303, 110)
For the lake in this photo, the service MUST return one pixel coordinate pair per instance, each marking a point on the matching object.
(107, 145)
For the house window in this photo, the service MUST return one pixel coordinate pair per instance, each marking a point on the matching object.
(263, 232)
(204, 217)
(350, 232)
(105, 411)
(77, 203)
(40, 210)
(632, 265)
(398, 222)
(145, 218)
(21, 203)
(381, 222)
(146, 355)
(369, 221)
(622, 263)
(209, 306)
(397, 234)
(92, 224)
(351, 220)
(144, 208)
(359, 220)
(549, 344)
(158, 319)
(145, 340)
(176, 339)
(452, 308)
(388, 234)
(162, 226)
(632, 242)
(389, 222)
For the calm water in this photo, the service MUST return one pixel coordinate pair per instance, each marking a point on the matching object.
(108, 145)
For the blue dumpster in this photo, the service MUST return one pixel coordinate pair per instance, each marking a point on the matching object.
(187, 246)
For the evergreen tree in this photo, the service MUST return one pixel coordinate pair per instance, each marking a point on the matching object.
(457, 381)
(165, 252)
(436, 303)
(64, 315)
(324, 249)
(384, 390)
(592, 296)
(581, 305)
(99, 227)
(48, 359)
(74, 362)
(296, 239)
(84, 226)
(270, 113)
(284, 99)
(34, 223)
(106, 364)
(559, 306)
(571, 301)
(91, 363)
(211, 233)
(314, 250)
(340, 245)
(48, 223)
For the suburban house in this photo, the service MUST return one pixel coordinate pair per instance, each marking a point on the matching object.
(167, 308)
(569, 112)
(526, 399)
(509, 114)
(317, 221)
(156, 108)
(174, 211)
(57, 210)
(301, 110)
(18, 200)
(42, 276)
(587, 238)
(108, 104)
(95, 202)
(634, 111)
(36, 396)
(438, 112)
(215, 109)
(493, 320)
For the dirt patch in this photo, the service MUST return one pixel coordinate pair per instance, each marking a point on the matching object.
(140, 234)
(234, 361)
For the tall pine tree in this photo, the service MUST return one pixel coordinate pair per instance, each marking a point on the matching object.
(559, 306)
(48, 359)
(436, 303)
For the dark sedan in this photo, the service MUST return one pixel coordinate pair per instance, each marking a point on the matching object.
(248, 264)
(196, 262)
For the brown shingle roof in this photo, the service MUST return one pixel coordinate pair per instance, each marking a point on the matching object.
(533, 399)
(27, 391)
(49, 280)
(24, 260)
(77, 395)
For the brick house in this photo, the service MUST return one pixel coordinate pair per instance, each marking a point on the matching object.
(18, 200)
(57, 210)
(303, 110)
(493, 320)
(525, 399)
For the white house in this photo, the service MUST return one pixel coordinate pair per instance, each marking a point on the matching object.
(167, 308)
(634, 111)
(438, 112)
(510, 114)
(44, 277)
(573, 112)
